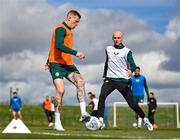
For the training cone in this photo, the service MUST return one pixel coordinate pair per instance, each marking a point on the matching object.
(16, 126)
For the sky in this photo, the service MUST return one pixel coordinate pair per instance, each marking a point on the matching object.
(151, 30)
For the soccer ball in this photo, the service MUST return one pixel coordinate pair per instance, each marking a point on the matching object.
(135, 125)
(93, 123)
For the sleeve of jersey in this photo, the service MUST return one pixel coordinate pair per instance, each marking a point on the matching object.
(155, 103)
(105, 65)
(93, 105)
(131, 61)
(90, 103)
(20, 102)
(10, 103)
(146, 87)
(60, 34)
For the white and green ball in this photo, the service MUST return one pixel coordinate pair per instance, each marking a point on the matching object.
(93, 123)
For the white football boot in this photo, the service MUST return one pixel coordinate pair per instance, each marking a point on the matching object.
(148, 124)
(85, 117)
(50, 124)
(102, 124)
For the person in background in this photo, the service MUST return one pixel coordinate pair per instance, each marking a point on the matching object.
(15, 106)
(152, 106)
(94, 104)
(47, 110)
(139, 84)
(53, 104)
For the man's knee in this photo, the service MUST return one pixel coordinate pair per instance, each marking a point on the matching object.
(60, 91)
(80, 84)
(59, 85)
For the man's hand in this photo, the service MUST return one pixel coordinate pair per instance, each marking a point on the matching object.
(46, 66)
(80, 55)
(129, 72)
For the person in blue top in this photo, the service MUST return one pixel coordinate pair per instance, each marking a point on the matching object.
(139, 84)
(15, 106)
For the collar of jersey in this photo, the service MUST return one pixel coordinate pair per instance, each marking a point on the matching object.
(137, 75)
(66, 25)
(120, 46)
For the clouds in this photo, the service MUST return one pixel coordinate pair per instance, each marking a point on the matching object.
(173, 29)
(26, 25)
(172, 51)
(25, 37)
(19, 66)
(157, 77)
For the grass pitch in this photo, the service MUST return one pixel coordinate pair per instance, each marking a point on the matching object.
(109, 133)
(35, 120)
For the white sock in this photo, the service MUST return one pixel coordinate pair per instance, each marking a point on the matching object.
(57, 118)
(58, 124)
(83, 107)
(139, 122)
(101, 119)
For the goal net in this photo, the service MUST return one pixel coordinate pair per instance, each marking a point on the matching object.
(166, 116)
